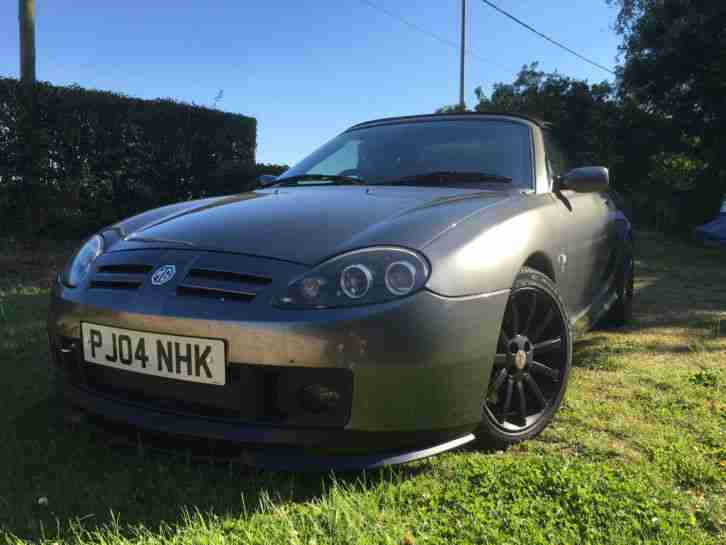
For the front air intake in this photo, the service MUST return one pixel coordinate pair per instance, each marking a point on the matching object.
(126, 277)
(222, 284)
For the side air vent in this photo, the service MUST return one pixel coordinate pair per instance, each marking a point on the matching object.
(221, 284)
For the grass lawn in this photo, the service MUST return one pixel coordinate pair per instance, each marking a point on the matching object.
(637, 453)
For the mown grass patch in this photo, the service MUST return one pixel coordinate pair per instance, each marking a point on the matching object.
(636, 455)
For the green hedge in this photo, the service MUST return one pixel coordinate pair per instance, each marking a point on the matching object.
(88, 158)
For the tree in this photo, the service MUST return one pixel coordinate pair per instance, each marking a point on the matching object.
(583, 116)
(675, 66)
(450, 109)
(675, 58)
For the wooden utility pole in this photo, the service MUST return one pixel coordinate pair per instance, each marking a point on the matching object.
(27, 115)
(26, 20)
(462, 104)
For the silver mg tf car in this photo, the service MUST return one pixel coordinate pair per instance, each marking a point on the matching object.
(413, 285)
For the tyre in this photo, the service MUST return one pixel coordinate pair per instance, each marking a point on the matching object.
(622, 310)
(531, 366)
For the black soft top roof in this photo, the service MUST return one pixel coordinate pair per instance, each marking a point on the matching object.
(450, 116)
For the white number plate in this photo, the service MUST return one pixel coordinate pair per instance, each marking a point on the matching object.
(171, 356)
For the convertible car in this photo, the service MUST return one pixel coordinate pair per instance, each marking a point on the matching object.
(413, 285)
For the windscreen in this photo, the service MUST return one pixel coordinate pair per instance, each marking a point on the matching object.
(389, 152)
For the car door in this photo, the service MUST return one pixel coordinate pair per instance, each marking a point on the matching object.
(609, 253)
(591, 244)
(590, 230)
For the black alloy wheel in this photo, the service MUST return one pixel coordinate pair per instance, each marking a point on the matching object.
(531, 365)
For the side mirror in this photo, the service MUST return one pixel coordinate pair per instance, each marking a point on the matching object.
(585, 180)
(265, 180)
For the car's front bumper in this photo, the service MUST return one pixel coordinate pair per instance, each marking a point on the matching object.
(418, 370)
(263, 446)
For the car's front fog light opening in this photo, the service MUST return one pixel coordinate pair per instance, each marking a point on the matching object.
(318, 398)
(400, 277)
(356, 280)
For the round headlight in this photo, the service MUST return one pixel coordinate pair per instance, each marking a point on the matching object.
(400, 277)
(356, 280)
(83, 260)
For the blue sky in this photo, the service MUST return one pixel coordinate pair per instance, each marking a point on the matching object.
(305, 70)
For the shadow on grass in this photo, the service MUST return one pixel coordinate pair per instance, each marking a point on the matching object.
(680, 303)
(53, 477)
(598, 348)
(88, 477)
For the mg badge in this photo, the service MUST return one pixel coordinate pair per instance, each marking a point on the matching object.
(163, 274)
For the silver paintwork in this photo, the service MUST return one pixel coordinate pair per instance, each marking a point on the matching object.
(421, 362)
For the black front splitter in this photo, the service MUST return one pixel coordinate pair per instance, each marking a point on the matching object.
(303, 461)
(273, 448)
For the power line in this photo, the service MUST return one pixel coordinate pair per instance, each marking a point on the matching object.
(430, 34)
(551, 40)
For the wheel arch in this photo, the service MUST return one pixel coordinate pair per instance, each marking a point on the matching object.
(485, 253)
(541, 262)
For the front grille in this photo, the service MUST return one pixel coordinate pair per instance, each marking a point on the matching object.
(157, 393)
(214, 293)
(125, 269)
(167, 394)
(114, 285)
(228, 276)
(123, 276)
(222, 284)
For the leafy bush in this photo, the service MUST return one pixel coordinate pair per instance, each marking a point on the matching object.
(88, 158)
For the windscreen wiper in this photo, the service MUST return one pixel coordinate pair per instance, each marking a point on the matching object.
(319, 179)
(449, 176)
